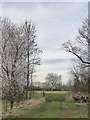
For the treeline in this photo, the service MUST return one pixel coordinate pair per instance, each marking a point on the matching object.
(19, 55)
(59, 87)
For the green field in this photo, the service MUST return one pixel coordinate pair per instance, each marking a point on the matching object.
(56, 108)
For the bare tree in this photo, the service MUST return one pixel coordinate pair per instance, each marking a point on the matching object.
(82, 45)
(32, 51)
(52, 79)
(12, 59)
(81, 48)
(19, 55)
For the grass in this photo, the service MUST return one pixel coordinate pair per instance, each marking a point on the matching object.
(55, 96)
(37, 94)
(54, 109)
(52, 96)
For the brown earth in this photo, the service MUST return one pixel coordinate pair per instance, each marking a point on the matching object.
(25, 105)
(29, 104)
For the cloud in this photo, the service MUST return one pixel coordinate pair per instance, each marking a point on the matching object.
(55, 53)
(40, 76)
(0, 9)
(56, 23)
(44, 0)
(55, 61)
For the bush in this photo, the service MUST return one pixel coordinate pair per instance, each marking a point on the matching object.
(55, 97)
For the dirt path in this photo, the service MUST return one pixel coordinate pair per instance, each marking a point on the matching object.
(29, 104)
(25, 105)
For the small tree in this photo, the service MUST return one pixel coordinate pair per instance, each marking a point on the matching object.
(52, 79)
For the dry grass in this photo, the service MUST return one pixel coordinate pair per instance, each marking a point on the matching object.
(29, 104)
(25, 105)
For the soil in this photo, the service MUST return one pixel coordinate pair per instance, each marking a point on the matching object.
(27, 104)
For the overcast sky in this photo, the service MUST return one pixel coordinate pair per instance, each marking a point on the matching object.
(56, 23)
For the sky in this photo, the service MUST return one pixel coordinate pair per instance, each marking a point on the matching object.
(44, 0)
(56, 23)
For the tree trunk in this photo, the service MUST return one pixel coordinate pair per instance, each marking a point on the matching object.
(27, 68)
(6, 105)
(11, 103)
(51, 89)
(31, 86)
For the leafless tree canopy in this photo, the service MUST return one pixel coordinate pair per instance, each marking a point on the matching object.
(52, 79)
(81, 47)
(19, 54)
